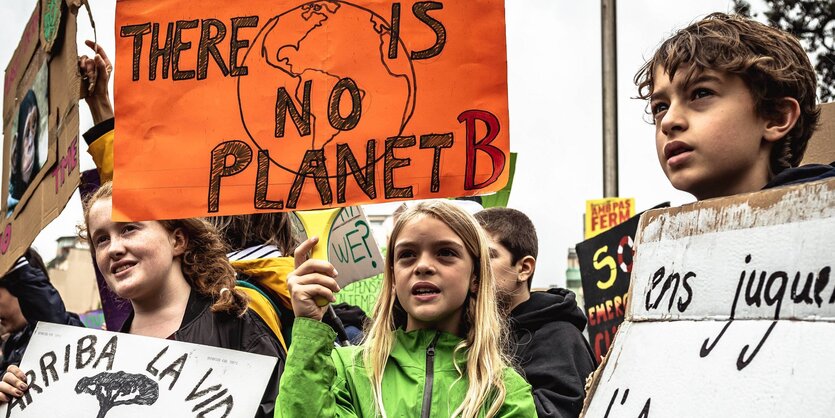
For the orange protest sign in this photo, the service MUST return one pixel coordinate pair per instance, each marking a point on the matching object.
(240, 107)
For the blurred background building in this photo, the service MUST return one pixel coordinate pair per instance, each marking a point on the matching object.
(73, 274)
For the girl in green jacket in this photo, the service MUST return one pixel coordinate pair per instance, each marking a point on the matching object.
(435, 347)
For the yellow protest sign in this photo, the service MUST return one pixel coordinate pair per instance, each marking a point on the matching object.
(239, 107)
(603, 214)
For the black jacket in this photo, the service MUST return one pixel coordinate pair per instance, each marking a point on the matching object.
(803, 174)
(39, 301)
(218, 329)
(551, 351)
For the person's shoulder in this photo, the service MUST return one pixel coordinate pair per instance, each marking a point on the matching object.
(349, 351)
(348, 357)
(254, 331)
(555, 309)
(518, 401)
(250, 320)
(246, 332)
(513, 380)
(802, 174)
(557, 330)
(23, 276)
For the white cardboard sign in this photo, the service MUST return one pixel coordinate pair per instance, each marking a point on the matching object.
(654, 370)
(352, 249)
(80, 372)
(732, 311)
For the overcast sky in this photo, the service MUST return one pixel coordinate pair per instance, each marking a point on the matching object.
(555, 110)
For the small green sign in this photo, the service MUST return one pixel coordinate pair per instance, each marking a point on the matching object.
(50, 22)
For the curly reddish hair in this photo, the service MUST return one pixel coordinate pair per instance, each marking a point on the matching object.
(204, 263)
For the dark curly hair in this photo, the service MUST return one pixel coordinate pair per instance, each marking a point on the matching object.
(204, 262)
(771, 62)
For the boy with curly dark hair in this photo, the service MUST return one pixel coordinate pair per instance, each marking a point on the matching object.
(733, 103)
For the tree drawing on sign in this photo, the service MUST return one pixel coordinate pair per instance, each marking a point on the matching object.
(120, 388)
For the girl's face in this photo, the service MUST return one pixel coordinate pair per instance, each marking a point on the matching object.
(433, 273)
(30, 137)
(135, 258)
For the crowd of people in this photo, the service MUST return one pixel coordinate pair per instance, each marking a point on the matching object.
(456, 330)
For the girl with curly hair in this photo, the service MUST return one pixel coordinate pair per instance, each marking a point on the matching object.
(179, 282)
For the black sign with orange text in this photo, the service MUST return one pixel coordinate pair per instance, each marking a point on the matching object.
(605, 267)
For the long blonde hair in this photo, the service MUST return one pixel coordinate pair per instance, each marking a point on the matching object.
(485, 333)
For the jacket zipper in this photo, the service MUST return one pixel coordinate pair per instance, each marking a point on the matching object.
(430, 376)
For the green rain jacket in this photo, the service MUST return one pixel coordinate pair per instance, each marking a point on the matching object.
(320, 381)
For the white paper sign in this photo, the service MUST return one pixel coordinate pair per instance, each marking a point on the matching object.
(346, 241)
(80, 372)
(732, 311)
(351, 247)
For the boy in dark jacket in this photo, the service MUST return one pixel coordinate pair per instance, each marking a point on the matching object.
(549, 348)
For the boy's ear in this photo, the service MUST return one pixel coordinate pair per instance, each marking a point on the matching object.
(525, 267)
(180, 241)
(783, 120)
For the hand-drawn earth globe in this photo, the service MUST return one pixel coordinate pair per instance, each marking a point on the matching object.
(323, 42)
